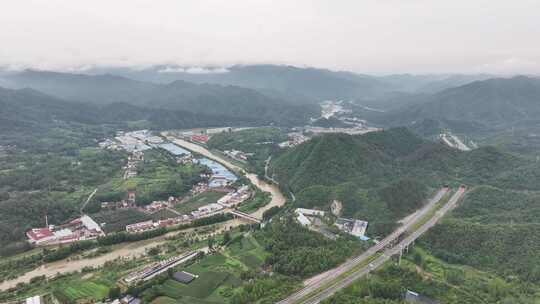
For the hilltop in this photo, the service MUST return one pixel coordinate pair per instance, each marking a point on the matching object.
(31, 110)
(206, 99)
(492, 103)
(383, 176)
(376, 157)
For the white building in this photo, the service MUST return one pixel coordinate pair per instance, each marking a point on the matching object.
(33, 300)
(90, 224)
(141, 226)
(206, 209)
(352, 226)
(310, 212)
(303, 220)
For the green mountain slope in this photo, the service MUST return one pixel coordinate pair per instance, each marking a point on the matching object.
(232, 101)
(383, 176)
(374, 158)
(492, 229)
(296, 84)
(491, 103)
(29, 110)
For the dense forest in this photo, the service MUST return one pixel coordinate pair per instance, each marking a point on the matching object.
(299, 252)
(492, 229)
(383, 176)
(35, 185)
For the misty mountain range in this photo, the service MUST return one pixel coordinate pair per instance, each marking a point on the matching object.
(283, 95)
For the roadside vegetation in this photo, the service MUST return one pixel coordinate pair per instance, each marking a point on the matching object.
(493, 230)
(431, 277)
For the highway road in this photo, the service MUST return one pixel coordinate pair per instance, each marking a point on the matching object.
(387, 254)
(315, 283)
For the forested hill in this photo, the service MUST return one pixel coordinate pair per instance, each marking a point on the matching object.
(95, 89)
(383, 175)
(296, 84)
(376, 157)
(206, 99)
(489, 103)
(30, 110)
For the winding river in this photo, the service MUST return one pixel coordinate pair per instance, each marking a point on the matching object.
(139, 248)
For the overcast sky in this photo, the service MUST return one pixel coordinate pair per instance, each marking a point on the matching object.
(367, 36)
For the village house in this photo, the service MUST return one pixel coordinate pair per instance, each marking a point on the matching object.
(206, 210)
(79, 229)
(141, 226)
(353, 227)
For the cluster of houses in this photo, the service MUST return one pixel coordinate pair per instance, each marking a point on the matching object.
(220, 176)
(123, 204)
(127, 299)
(304, 216)
(294, 139)
(134, 141)
(353, 227)
(185, 159)
(232, 199)
(355, 130)
(133, 161)
(79, 229)
(201, 135)
(207, 210)
(151, 225)
(160, 205)
(238, 155)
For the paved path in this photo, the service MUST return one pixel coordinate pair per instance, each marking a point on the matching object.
(87, 201)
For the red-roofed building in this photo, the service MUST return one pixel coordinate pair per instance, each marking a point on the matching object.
(40, 235)
(200, 138)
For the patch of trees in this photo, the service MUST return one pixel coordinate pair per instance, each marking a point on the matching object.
(297, 251)
(214, 219)
(121, 237)
(262, 142)
(65, 251)
(259, 287)
(268, 214)
(492, 229)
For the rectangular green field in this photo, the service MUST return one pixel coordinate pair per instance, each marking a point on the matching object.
(200, 288)
(84, 289)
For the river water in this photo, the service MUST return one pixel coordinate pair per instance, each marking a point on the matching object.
(139, 248)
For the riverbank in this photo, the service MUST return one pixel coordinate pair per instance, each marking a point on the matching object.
(278, 199)
(139, 248)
